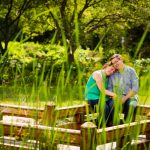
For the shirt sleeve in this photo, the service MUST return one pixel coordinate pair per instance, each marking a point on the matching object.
(110, 84)
(134, 81)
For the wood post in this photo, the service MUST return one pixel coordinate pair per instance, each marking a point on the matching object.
(148, 116)
(49, 114)
(148, 130)
(124, 142)
(88, 136)
(148, 133)
(79, 118)
(1, 116)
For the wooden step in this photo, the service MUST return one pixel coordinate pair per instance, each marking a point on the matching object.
(11, 143)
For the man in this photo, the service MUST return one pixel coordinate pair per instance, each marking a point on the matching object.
(124, 82)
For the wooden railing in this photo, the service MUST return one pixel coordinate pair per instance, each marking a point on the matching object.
(76, 132)
(88, 137)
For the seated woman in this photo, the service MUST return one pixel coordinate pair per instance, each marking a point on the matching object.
(96, 93)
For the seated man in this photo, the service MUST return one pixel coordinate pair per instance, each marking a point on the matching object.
(124, 82)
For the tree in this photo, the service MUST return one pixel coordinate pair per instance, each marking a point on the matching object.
(74, 22)
(76, 19)
(11, 12)
(73, 19)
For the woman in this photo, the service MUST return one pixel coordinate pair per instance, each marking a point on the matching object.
(96, 91)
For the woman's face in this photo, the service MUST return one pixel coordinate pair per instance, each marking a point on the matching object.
(109, 70)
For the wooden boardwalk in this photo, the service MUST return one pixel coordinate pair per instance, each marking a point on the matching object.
(23, 121)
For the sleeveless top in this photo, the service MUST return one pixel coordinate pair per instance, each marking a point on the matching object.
(92, 91)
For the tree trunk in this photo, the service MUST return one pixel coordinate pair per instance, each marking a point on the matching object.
(70, 58)
(2, 51)
(71, 51)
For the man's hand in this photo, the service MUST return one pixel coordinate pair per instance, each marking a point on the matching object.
(130, 94)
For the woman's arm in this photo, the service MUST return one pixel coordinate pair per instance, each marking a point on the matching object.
(98, 78)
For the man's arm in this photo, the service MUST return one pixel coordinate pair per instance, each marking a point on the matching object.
(134, 86)
(131, 93)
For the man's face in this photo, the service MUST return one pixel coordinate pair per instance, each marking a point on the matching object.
(117, 63)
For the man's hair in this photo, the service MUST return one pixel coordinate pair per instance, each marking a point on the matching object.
(116, 56)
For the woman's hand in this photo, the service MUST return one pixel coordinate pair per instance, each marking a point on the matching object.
(124, 99)
(114, 96)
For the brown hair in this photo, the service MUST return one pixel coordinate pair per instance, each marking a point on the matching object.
(107, 64)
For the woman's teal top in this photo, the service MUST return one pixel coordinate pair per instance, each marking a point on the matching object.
(92, 91)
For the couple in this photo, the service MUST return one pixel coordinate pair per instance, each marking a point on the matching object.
(113, 90)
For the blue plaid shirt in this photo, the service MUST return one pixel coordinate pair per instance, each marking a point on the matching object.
(122, 82)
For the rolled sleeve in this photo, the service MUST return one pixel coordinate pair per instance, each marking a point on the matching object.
(134, 81)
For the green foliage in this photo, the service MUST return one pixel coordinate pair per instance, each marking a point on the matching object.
(26, 61)
(89, 30)
(88, 24)
(143, 66)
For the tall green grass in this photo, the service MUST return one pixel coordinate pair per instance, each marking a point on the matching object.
(64, 92)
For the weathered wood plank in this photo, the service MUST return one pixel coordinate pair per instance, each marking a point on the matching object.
(39, 132)
(27, 111)
(19, 107)
(70, 125)
(73, 136)
(115, 133)
(143, 110)
(23, 111)
(64, 111)
(140, 143)
(71, 111)
(11, 143)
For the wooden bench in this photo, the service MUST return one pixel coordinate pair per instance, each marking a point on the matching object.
(50, 114)
(23, 111)
(87, 138)
(10, 143)
(76, 129)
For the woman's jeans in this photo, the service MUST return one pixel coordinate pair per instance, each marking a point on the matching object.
(105, 112)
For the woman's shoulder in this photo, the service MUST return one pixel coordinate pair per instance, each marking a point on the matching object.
(98, 72)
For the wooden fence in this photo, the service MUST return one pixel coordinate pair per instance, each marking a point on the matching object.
(48, 133)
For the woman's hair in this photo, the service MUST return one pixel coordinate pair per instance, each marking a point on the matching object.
(107, 65)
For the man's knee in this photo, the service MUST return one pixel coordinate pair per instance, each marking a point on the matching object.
(129, 109)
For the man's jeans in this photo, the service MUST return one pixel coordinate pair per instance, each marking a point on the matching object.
(128, 109)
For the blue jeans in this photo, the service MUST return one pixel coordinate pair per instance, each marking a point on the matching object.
(106, 114)
(128, 109)
(109, 111)
(93, 104)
